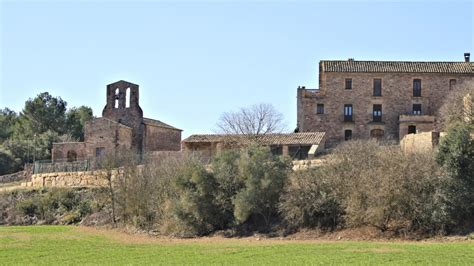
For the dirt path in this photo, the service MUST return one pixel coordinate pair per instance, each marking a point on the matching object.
(122, 236)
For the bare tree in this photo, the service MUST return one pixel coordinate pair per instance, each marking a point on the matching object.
(257, 119)
(452, 111)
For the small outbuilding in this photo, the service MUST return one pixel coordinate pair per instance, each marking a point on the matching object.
(298, 146)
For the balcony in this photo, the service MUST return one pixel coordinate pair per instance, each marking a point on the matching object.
(411, 118)
(348, 118)
(377, 118)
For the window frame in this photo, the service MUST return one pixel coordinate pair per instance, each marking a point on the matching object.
(347, 134)
(377, 89)
(377, 113)
(418, 111)
(348, 81)
(348, 113)
(417, 88)
(320, 108)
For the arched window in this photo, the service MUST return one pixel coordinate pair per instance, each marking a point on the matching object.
(117, 92)
(376, 133)
(127, 98)
(71, 156)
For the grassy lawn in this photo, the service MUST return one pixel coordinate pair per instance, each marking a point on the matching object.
(79, 245)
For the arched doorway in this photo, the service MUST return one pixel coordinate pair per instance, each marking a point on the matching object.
(377, 134)
(71, 156)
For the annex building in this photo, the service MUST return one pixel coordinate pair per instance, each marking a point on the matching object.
(378, 99)
(298, 146)
(121, 127)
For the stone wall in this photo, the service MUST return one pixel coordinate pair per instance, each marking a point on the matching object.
(107, 134)
(397, 98)
(18, 176)
(98, 178)
(161, 139)
(69, 179)
(68, 151)
(307, 164)
(421, 142)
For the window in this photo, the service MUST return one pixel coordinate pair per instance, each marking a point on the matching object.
(117, 93)
(277, 150)
(347, 134)
(320, 108)
(298, 152)
(71, 156)
(348, 84)
(377, 113)
(99, 151)
(417, 88)
(417, 109)
(348, 112)
(377, 87)
(452, 83)
(377, 134)
(127, 98)
(411, 129)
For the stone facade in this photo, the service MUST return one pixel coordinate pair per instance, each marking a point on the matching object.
(298, 146)
(121, 127)
(159, 137)
(350, 84)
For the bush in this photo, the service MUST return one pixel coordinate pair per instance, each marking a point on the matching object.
(264, 177)
(195, 206)
(225, 168)
(381, 186)
(51, 206)
(310, 201)
(456, 155)
(28, 207)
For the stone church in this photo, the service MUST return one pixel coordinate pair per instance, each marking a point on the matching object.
(121, 127)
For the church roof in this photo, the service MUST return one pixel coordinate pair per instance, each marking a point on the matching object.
(353, 66)
(306, 138)
(158, 123)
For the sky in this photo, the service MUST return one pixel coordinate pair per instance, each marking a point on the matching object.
(196, 60)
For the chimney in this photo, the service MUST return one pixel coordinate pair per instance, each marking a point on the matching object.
(466, 57)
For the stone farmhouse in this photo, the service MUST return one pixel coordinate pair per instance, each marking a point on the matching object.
(298, 146)
(378, 99)
(122, 126)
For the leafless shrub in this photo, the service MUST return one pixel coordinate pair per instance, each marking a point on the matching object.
(452, 111)
(368, 184)
(383, 187)
(310, 201)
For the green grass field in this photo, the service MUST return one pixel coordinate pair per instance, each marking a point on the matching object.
(79, 245)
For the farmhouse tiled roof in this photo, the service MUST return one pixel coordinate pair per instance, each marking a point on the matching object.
(158, 123)
(353, 66)
(306, 138)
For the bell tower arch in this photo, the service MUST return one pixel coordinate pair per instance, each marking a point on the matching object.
(123, 106)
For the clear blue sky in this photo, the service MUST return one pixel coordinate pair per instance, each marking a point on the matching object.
(195, 60)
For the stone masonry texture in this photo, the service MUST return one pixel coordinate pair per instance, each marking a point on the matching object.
(397, 97)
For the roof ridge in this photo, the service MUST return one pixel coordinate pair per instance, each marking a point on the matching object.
(394, 61)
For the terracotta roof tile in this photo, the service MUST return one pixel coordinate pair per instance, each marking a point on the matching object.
(306, 138)
(397, 67)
